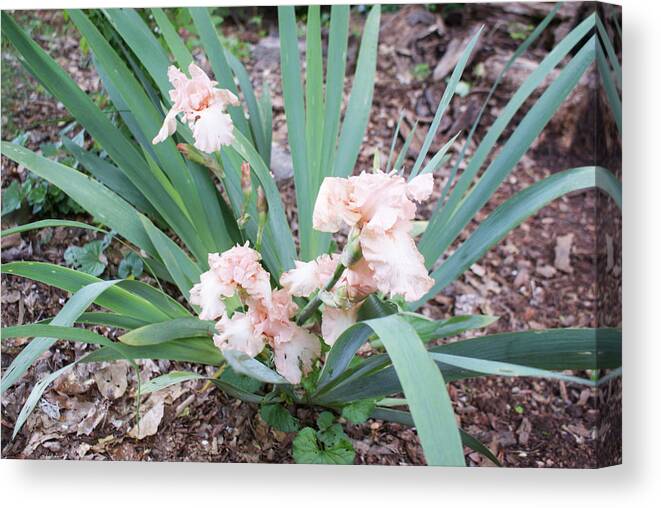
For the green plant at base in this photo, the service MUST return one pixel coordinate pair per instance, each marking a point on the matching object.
(421, 71)
(328, 445)
(89, 258)
(130, 267)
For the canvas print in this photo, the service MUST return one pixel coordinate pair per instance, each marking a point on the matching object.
(336, 234)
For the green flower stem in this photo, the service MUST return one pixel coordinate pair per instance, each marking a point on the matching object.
(314, 304)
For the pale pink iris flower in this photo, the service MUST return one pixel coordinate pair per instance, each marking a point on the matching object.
(203, 107)
(294, 347)
(358, 280)
(267, 315)
(207, 294)
(382, 206)
(240, 268)
(296, 356)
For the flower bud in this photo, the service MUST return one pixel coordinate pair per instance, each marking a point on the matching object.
(262, 212)
(262, 204)
(246, 182)
(338, 298)
(352, 252)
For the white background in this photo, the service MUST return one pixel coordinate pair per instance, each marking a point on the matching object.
(636, 483)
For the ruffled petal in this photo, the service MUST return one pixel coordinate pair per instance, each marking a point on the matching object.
(301, 280)
(225, 97)
(380, 199)
(420, 188)
(239, 268)
(309, 276)
(335, 321)
(294, 357)
(168, 128)
(199, 77)
(207, 295)
(331, 208)
(238, 334)
(176, 77)
(213, 129)
(360, 280)
(399, 268)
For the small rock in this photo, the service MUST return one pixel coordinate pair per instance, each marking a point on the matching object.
(506, 439)
(562, 253)
(546, 271)
(282, 166)
(521, 278)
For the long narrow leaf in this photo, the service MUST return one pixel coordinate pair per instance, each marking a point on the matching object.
(292, 91)
(394, 141)
(243, 364)
(193, 350)
(112, 177)
(105, 205)
(554, 349)
(76, 305)
(314, 96)
(335, 71)
(277, 221)
(425, 391)
(174, 42)
(513, 212)
(183, 270)
(492, 368)
(437, 237)
(445, 102)
(116, 299)
(49, 223)
(360, 100)
(166, 331)
(255, 116)
(609, 86)
(610, 50)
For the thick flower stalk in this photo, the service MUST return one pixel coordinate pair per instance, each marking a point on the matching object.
(202, 106)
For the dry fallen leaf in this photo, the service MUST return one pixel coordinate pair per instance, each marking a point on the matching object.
(71, 383)
(148, 425)
(111, 380)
